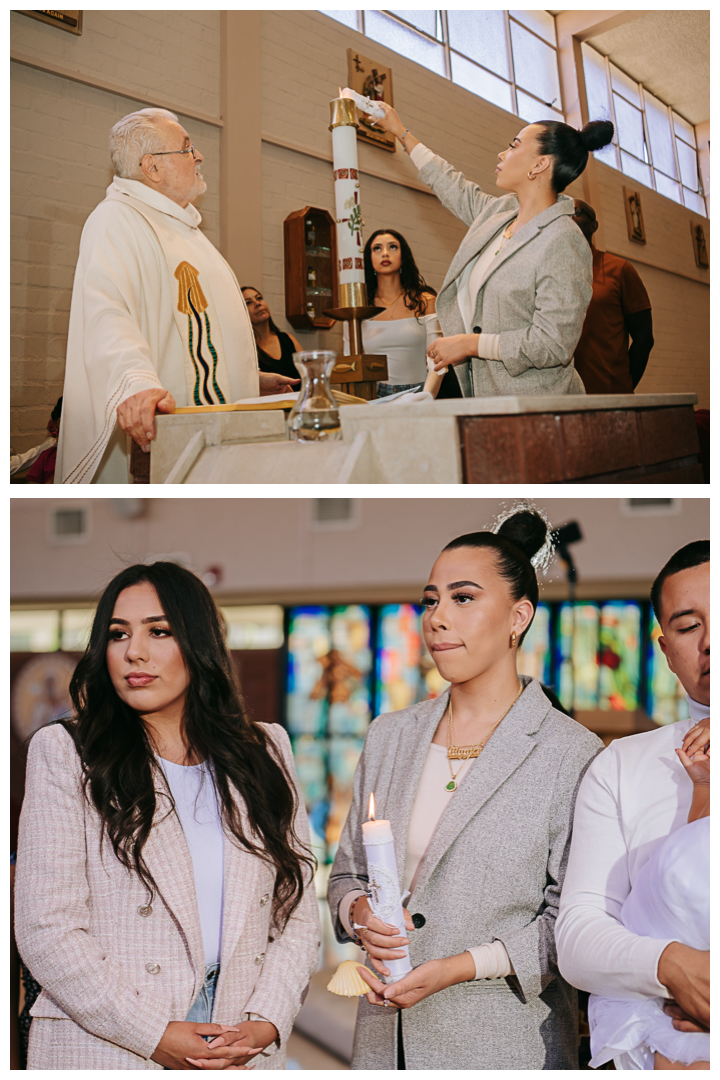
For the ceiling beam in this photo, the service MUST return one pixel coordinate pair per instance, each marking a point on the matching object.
(587, 24)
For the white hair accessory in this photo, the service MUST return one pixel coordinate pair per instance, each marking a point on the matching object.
(541, 559)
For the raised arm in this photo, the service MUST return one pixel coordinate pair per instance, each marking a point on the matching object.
(460, 196)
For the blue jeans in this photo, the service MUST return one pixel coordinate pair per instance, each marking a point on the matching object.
(202, 1007)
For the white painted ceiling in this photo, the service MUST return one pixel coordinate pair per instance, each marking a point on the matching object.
(669, 53)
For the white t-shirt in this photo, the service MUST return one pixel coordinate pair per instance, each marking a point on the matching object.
(197, 807)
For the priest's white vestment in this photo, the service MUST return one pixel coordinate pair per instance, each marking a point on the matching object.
(154, 305)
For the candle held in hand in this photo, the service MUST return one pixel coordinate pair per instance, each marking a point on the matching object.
(384, 885)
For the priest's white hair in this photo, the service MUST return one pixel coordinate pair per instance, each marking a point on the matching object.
(134, 136)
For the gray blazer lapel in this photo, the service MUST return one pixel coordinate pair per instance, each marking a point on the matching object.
(412, 749)
(512, 246)
(505, 752)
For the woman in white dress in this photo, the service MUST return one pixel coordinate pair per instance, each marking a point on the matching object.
(406, 323)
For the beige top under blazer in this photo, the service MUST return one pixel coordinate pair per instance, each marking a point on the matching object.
(115, 969)
(493, 871)
(534, 295)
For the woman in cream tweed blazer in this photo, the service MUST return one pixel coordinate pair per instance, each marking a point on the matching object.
(514, 298)
(494, 860)
(121, 964)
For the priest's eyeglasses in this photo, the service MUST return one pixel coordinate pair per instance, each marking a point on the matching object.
(162, 153)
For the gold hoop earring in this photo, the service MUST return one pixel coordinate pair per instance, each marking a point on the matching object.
(532, 176)
(513, 639)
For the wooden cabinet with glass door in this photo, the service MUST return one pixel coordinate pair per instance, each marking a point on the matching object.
(310, 278)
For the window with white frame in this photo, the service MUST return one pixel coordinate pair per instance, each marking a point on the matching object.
(506, 57)
(652, 143)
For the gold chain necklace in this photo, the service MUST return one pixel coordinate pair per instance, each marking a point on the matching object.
(464, 753)
(506, 236)
(398, 297)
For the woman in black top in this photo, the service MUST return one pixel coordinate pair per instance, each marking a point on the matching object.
(275, 348)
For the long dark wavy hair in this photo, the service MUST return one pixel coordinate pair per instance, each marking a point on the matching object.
(412, 281)
(119, 765)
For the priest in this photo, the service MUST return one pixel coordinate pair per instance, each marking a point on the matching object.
(157, 316)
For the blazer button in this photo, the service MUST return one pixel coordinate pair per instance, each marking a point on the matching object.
(477, 329)
(145, 910)
(418, 920)
(152, 969)
(264, 899)
(258, 959)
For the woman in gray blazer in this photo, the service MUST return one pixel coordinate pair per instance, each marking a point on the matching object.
(514, 299)
(481, 835)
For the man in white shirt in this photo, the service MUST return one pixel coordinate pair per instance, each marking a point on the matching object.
(157, 316)
(634, 794)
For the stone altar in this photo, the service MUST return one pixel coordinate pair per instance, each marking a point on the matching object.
(597, 439)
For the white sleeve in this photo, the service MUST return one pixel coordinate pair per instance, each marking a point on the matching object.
(491, 961)
(595, 951)
(420, 155)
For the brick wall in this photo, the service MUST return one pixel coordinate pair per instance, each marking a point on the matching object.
(61, 167)
(304, 61)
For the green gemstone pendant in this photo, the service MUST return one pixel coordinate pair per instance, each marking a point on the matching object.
(450, 786)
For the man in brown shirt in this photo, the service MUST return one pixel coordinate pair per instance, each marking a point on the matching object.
(620, 310)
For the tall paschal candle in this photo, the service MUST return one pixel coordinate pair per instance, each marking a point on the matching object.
(384, 885)
(348, 213)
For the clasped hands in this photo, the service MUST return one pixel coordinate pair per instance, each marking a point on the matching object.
(234, 1046)
(455, 349)
(383, 942)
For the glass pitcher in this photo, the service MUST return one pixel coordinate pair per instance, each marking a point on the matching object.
(315, 415)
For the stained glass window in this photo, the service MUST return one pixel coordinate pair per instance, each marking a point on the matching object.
(577, 649)
(619, 656)
(666, 700)
(398, 657)
(328, 710)
(535, 654)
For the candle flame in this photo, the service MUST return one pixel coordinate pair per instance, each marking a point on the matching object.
(371, 806)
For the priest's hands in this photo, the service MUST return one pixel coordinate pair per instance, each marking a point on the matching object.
(422, 981)
(452, 350)
(380, 940)
(136, 414)
(277, 384)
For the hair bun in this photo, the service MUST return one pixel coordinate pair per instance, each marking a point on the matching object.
(527, 530)
(596, 134)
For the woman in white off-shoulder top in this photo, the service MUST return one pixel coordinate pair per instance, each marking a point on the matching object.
(406, 323)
